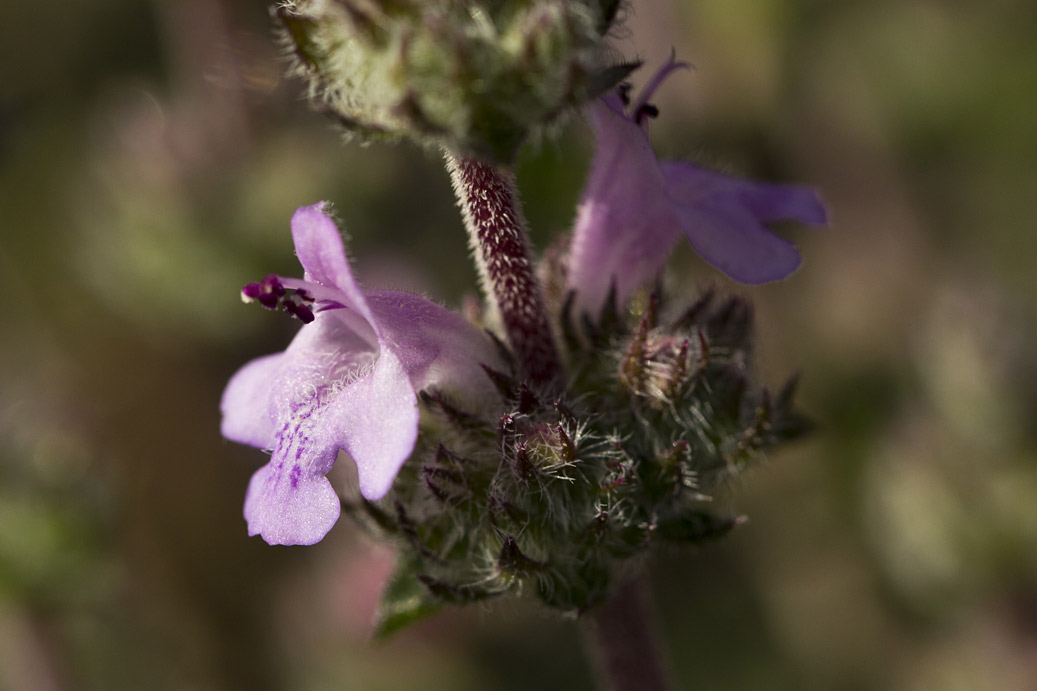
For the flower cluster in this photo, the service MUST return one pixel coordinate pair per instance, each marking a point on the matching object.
(491, 480)
(474, 76)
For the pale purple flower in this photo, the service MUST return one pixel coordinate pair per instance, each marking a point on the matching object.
(635, 208)
(348, 381)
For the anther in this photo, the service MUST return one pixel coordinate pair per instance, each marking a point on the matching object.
(646, 111)
(299, 311)
(269, 292)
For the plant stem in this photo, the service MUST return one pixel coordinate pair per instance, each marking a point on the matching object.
(497, 235)
(623, 642)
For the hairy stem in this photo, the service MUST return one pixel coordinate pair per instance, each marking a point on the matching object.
(623, 642)
(497, 235)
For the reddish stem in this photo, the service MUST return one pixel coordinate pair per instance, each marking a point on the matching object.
(497, 234)
(624, 644)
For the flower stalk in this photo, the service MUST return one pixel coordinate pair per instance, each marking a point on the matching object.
(498, 238)
(623, 642)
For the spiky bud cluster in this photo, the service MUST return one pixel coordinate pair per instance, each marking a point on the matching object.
(475, 77)
(553, 491)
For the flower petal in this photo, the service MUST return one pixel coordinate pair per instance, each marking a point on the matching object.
(289, 501)
(723, 218)
(375, 419)
(245, 406)
(656, 81)
(331, 394)
(319, 246)
(626, 224)
(689, 183)
(365, 404)
(436, 346)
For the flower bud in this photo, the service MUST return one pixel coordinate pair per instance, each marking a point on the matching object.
(550, 492)
(475, 77)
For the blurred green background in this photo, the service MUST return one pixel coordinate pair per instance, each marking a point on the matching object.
(150, 158)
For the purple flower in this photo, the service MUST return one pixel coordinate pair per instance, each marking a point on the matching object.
(634, 209)
(346, 382)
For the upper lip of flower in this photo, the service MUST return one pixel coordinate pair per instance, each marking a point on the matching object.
(634, 208)
(347, 381)
(641, 108)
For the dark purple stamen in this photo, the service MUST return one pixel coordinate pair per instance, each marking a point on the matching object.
(299, 311)
(272, 283)
(645, 111)
(269, 291)
(271, 294)
(251, 291)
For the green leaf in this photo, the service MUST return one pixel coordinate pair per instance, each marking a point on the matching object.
(405, 601)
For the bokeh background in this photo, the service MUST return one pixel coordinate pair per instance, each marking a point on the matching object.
(150, 157)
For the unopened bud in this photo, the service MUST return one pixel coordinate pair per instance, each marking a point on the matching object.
(474, 77)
